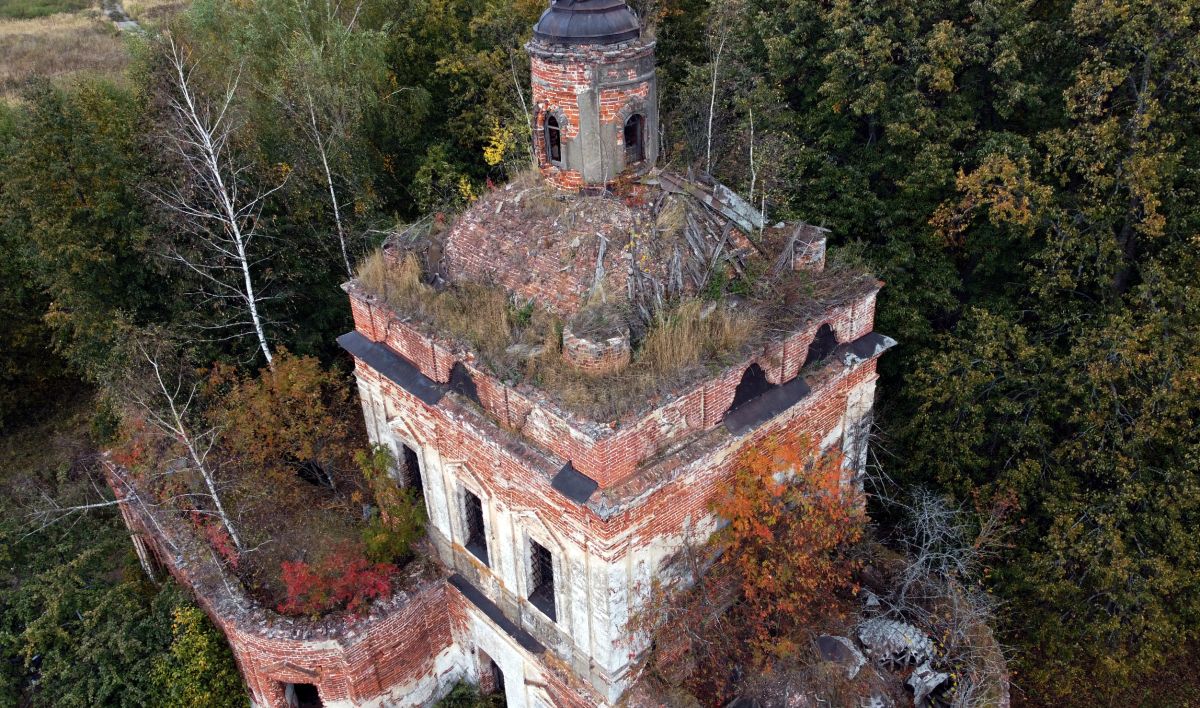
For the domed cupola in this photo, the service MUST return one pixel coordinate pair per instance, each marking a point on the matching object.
(595, 94)
(587, 22)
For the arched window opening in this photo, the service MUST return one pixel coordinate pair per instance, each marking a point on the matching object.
(462, 383)
(635, 143)
(408, 469)
(553, 140)
(473, 521)
(822, 345)
(491, 678)
(754, 384)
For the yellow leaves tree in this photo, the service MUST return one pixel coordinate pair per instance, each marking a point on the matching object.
(780, 570)
(793, 525)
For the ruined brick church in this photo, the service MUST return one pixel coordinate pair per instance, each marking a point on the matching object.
(551, 518)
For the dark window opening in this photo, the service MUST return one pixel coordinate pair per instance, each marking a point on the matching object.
(754, 384)
(315, 474)
(541, 565)
(303, 695)
(410, 470)
(635, 143)
(157, 567)
(462, 383)
(476, 539)
(822, 345)
(553, 140)
(491, 679)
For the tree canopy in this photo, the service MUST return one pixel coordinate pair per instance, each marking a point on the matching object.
(1023, 175)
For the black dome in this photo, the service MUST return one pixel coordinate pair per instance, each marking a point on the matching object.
(587, 22)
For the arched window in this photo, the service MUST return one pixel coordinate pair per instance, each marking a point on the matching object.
(553, 140)
(635, 143)
(462, 383)
(753, 384)
(822, 345)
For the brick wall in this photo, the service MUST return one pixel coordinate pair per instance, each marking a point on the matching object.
(605, 453)
(596, 356)
(606, 82)
(357, 660)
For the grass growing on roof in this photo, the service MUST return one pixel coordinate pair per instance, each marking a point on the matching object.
(688, 339)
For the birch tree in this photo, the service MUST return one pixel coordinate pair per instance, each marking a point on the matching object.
(721, 41)
(333, 73)
(166, 400)
(215, 198)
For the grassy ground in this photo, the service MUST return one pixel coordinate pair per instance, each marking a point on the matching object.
(77, 39)
(26, 9)
(152, 11)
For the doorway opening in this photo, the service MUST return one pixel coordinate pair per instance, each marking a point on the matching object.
(302, 695)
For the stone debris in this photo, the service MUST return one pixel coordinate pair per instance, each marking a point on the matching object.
(841, 650)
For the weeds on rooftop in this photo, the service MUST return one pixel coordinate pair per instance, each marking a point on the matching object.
(476, 313)
(693, 332)
(681, 343)
(522, 341)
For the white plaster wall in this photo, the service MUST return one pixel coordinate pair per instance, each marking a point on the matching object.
(508, 655)
(597, 589)
(859, 405)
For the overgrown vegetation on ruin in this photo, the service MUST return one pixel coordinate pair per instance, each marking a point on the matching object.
(739, 614)
(274, 473)
(76, 609)
(690, 339)
(1021, 175)
(523, 342)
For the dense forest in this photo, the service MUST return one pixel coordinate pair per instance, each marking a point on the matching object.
(1023, 175)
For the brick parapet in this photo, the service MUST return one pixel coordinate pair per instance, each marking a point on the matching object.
(606, 452)
(680, 485)
(519, 473)
(358, 659)
(397, 654)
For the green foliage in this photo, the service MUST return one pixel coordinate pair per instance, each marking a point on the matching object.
(464, 695)
(199, 669)
(79, 624)
(1023, 177)
(400, 520)
(25, 9)
(71, 189)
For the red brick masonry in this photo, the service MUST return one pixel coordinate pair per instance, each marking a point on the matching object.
(386, 657)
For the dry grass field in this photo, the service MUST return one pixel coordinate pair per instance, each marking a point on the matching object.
(58, 46)
(152, 11)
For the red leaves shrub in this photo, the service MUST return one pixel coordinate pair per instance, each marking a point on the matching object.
(217, 537)
(132, 448)
(793, 527)
(344, 579)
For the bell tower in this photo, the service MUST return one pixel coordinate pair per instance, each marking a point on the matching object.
(594, 94)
